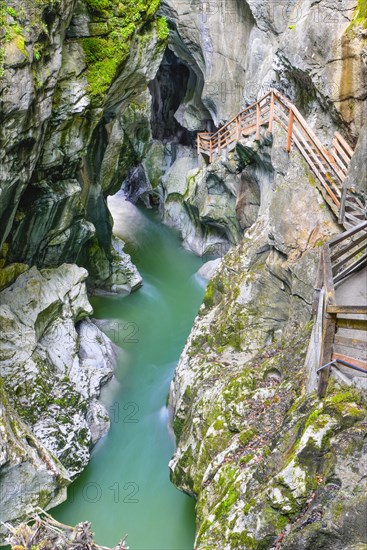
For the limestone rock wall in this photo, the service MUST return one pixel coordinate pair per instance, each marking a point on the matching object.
(223, 56)
(69, 72)
(53, 362)
(314, 52)
(71, 75)
(31, 475)
(269, 465)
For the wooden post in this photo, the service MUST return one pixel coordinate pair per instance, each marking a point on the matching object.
(258, 114)
(271, 113)
(328, 334)
(238, 129)
(342, 203)
(198, 144)
(319, 284)
(219, 144)
(210, 150)
(290, 131)
(326, 351)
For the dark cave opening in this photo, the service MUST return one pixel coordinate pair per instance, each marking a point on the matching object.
(168, 90)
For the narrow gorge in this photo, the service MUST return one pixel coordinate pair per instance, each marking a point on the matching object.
(183, 274)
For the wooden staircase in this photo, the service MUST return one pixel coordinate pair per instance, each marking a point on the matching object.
(330, 168)
(340, 325)
(340, 309)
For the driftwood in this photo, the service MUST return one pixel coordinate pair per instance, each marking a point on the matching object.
(41, 531)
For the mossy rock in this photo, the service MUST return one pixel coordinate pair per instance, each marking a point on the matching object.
(9, 274)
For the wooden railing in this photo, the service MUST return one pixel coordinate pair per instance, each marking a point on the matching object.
(330, 168)
(340, 257)
(344, 254)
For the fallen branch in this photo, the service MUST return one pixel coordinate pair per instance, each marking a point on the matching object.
(43, 531)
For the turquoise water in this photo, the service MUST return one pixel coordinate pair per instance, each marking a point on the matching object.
(126, 488)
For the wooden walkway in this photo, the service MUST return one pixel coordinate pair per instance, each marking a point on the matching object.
(330, 168)
(340, 308)
(340, 322)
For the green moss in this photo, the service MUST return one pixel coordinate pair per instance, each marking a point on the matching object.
(247, 436)
(44, 497)
(12, 32)
(311, 178)
(218, 425)
(360, 16)
(98, 6)
(315, 420)
(180, 473)
(246, 459)
(178, 425)
(250, 504)
(243, 540)
(162, 28)
(9, 273)
(226, 504)
(272, 516)
(209, 295)
(105, 55)
(343, 397)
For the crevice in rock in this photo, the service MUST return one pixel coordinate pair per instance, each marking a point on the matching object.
(168, 90)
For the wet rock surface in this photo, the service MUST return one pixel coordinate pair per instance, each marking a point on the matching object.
(54, 361)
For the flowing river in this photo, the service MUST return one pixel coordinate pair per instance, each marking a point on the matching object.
(126, 488)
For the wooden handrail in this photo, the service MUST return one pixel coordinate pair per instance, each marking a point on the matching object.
(342, 255)
(334, 267)
(330, 168)
(344, 144)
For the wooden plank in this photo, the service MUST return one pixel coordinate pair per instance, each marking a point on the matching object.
(357, 310)
(290, 131)
(300, 136)
(257, 122)
(353, 219)
(350, 342)
(219, 148)
(328, 278)
(342, 205)
(248, 109)
(334, 202)
(341, 151)
(339, 162)
(271, 114)
(313, 137)
(356, 362)
(238, 128)
(351, 324)
(353, 205)
(344, 143)
(351, 268)
(342, 236)
(353, 197)
(356, 250)
(319, 283)
(326, 352)
(339, 173)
